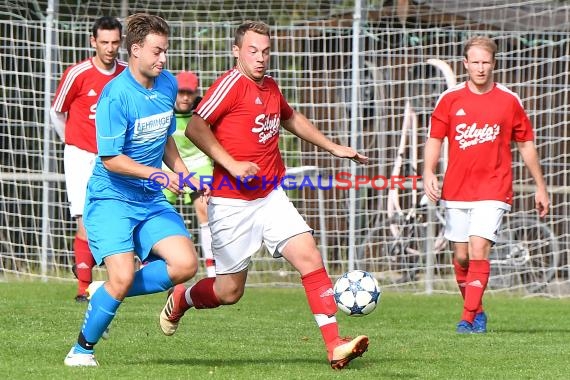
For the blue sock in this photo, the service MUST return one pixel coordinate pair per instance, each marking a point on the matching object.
(100, 312)
(152, 278)
(80, 350)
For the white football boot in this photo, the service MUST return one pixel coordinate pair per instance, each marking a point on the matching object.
(80, 360)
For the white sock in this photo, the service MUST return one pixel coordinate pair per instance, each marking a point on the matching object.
(188, 298)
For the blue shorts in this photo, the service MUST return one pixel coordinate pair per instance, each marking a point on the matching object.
(125, 225)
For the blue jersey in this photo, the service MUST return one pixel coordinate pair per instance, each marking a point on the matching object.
(134, 121)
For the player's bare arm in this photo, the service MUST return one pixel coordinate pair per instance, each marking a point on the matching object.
(172, 157)
(175, 163)
(58, 120)
(431, 158)
(529, 155)
(199, 132)
(124, 165)
(301, 127)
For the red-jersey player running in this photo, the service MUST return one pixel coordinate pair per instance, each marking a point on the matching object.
(237, 124)
(73, 117)
(480, 119)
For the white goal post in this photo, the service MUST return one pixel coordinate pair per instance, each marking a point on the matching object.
(355, 91)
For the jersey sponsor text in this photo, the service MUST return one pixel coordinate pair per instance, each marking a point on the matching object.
(470, 135)
(152, 127)
(268, 127)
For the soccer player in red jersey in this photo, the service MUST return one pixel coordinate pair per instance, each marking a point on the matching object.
(480, 118)
(73, 117)
(237, 124)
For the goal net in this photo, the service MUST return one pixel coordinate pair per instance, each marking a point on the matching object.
(370, 81)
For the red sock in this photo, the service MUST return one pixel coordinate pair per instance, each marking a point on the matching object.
(210, 263)
(84, 263)
(210, 267)
(202, 294)
(460, 276)
(179, 292)
(477, 279)
(318, 288)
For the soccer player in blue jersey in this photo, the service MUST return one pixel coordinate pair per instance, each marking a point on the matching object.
(126, 213)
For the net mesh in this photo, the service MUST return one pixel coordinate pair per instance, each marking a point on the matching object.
(518, 15)
(312, 57)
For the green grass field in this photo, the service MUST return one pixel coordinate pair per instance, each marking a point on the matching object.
(270, 334)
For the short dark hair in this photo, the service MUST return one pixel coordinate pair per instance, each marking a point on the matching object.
(106, 23)
(258, 27)
(140, 25)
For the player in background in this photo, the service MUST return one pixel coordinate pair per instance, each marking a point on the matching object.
(126, 213)
(480, 118)
(196, 161)
(237, 125)
(73, 118)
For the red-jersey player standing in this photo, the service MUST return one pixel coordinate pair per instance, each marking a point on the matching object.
(480, 119)
(73, 117)
(237, 124)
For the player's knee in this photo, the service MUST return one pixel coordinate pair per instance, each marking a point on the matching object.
(480, 251)
(479, 248)
(462, 261)
(230, 299)
(119, 284)
(183, 269)
(230, 296)
(190, 270)
(184, 273)
(312, 259)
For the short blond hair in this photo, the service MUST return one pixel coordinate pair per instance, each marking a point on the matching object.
(482, 42)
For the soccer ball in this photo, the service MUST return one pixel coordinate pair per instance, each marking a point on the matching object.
(357, 293)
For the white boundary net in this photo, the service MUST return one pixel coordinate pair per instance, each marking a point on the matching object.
(312, 60)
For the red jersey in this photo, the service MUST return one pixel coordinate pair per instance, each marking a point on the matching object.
(246, 117)
(77, 94)
(479, 129)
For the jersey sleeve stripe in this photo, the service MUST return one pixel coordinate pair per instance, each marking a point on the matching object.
(71, 77)
(514, 94)
(206, 109)
(457, 87)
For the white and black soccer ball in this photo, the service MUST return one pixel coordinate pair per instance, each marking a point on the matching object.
(357, 293)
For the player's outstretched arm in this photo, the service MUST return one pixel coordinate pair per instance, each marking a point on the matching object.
(124, 165)
(529, 155)
(301, 127)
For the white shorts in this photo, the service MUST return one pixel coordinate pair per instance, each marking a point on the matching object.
(78, 165)
(239, 228)
(481, 220)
